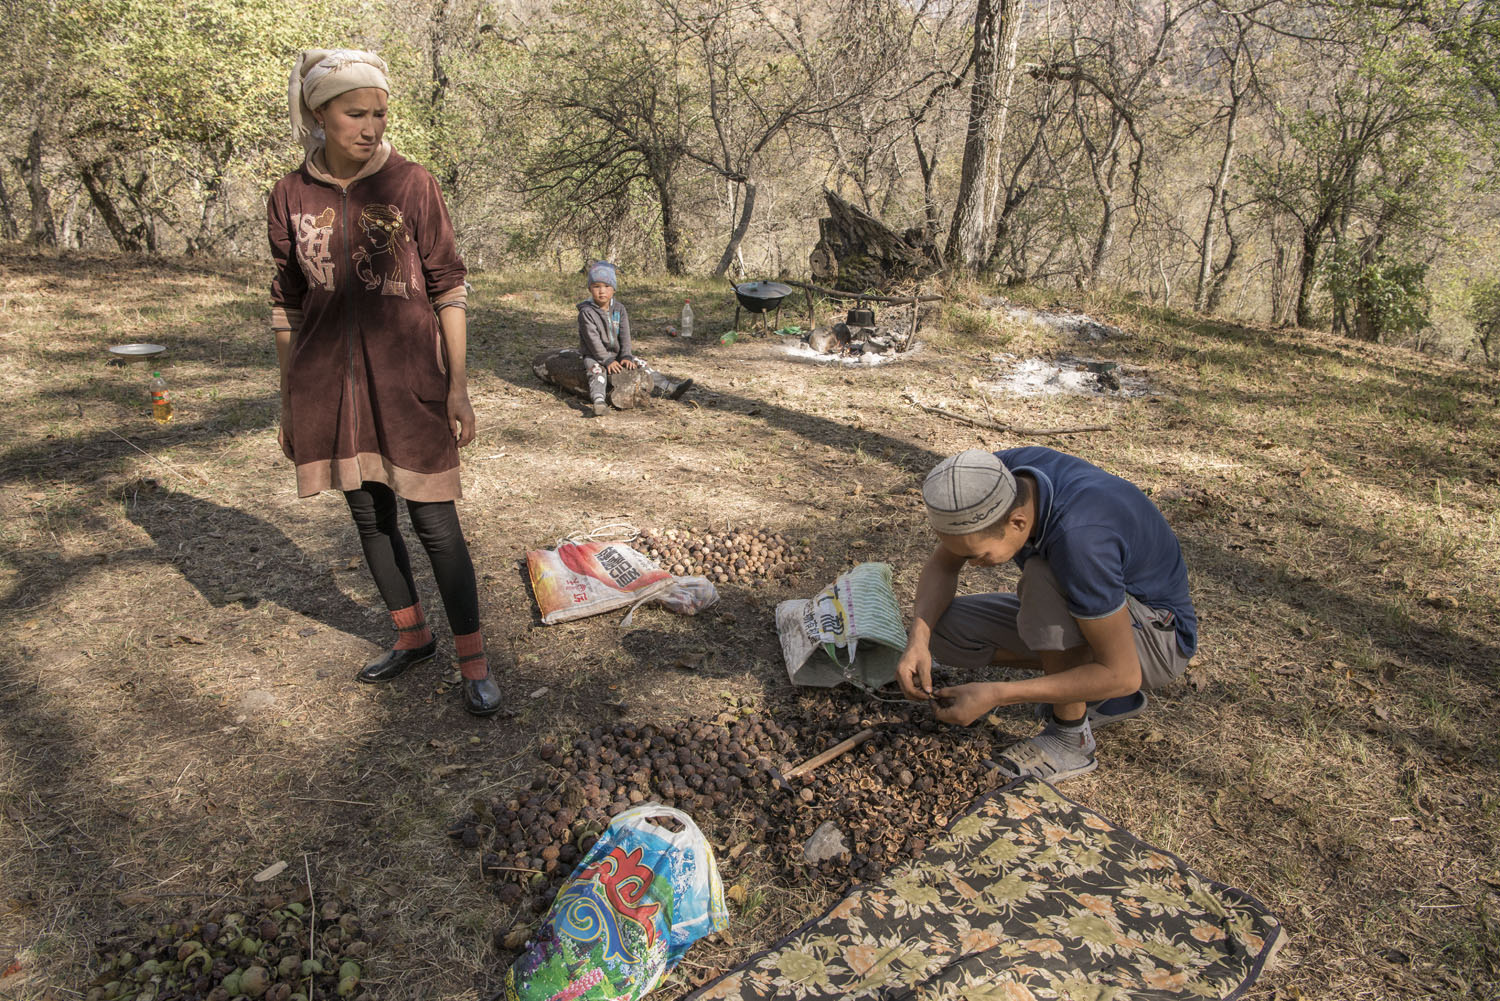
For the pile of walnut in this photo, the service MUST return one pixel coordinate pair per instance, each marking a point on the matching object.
(889, 796)
(735, 556)
(263, 953)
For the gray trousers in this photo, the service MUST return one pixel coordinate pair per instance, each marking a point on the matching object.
(599, 378)
(1036, 618)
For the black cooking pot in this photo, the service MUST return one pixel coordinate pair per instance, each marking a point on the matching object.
(760, 297)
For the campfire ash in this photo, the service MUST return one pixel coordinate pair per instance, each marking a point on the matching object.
(859, 340)
(1080, 376)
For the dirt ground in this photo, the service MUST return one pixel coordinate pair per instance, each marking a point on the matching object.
(178, 632)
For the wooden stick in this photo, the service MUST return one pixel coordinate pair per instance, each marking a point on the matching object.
(836, 294)
(312, 920)
(1007, 428)
(841, 747)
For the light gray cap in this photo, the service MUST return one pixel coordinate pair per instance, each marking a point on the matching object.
(968, 492)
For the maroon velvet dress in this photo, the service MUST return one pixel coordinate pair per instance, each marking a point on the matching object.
(359, 273)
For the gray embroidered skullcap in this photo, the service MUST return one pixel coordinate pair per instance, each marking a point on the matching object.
(968, 492)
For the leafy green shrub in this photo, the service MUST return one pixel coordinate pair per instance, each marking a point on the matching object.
(1379, 297)
(1484, 311)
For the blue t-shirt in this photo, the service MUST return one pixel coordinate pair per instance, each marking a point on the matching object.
(1104, 539)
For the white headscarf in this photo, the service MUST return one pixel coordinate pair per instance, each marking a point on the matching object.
(320, 75)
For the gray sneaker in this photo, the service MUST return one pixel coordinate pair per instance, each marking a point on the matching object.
(600, 408)
(1053, 755)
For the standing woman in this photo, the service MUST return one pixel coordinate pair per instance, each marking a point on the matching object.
(368, 310)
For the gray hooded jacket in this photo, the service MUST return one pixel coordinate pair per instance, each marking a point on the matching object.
(604, 338)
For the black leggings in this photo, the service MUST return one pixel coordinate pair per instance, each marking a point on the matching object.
(436, 523)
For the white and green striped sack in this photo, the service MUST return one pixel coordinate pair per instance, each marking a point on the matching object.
(851, 632)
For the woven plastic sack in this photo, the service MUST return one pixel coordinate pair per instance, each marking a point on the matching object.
(640, 897)
(851, 632)
(579, 579)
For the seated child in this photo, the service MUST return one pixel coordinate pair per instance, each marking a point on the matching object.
(604, 340)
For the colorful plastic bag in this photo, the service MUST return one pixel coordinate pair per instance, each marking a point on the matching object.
(579, 579)
(640, 897)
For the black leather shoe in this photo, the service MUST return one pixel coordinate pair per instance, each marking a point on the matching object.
(393, 663)
(482, 696)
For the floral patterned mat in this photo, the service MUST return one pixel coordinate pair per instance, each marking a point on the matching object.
(1027, 896)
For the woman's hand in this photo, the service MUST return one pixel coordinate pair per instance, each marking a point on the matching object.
(460, 416)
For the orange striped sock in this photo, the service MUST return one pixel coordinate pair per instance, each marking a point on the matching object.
(411, 627)
(471, 662)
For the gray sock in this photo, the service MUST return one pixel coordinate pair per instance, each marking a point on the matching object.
(1067, 743)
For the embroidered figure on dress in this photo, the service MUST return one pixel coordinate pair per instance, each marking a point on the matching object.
(313, 237)
(386, 229)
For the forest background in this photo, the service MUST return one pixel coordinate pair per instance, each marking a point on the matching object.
(1324, 164)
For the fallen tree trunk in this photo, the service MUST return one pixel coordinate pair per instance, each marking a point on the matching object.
(856, 250)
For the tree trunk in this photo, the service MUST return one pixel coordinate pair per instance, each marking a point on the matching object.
(71, 234)
(1215, 199)
(1015, 196)
(43, 231)
(927, 166)
(747, 207)
(1106, 236)
(1221, 273)
(972, 214)
(671, 232)
(1305, 264)
(448, 174)
(8, 228)
(105, 206)
(1010, 37)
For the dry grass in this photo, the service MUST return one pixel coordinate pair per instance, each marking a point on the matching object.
(177, 630)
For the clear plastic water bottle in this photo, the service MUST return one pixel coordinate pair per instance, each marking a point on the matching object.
(685, 325)
(161, 405)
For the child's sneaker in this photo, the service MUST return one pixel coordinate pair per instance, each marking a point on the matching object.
(600, 408)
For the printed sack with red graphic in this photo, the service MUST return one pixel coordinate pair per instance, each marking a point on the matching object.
(578, 579)
(639, 898)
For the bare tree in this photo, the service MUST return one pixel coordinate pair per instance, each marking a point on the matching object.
(770, 68)
(619, 121)
(1238, 72)
(997, 25)
(1109, 80)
